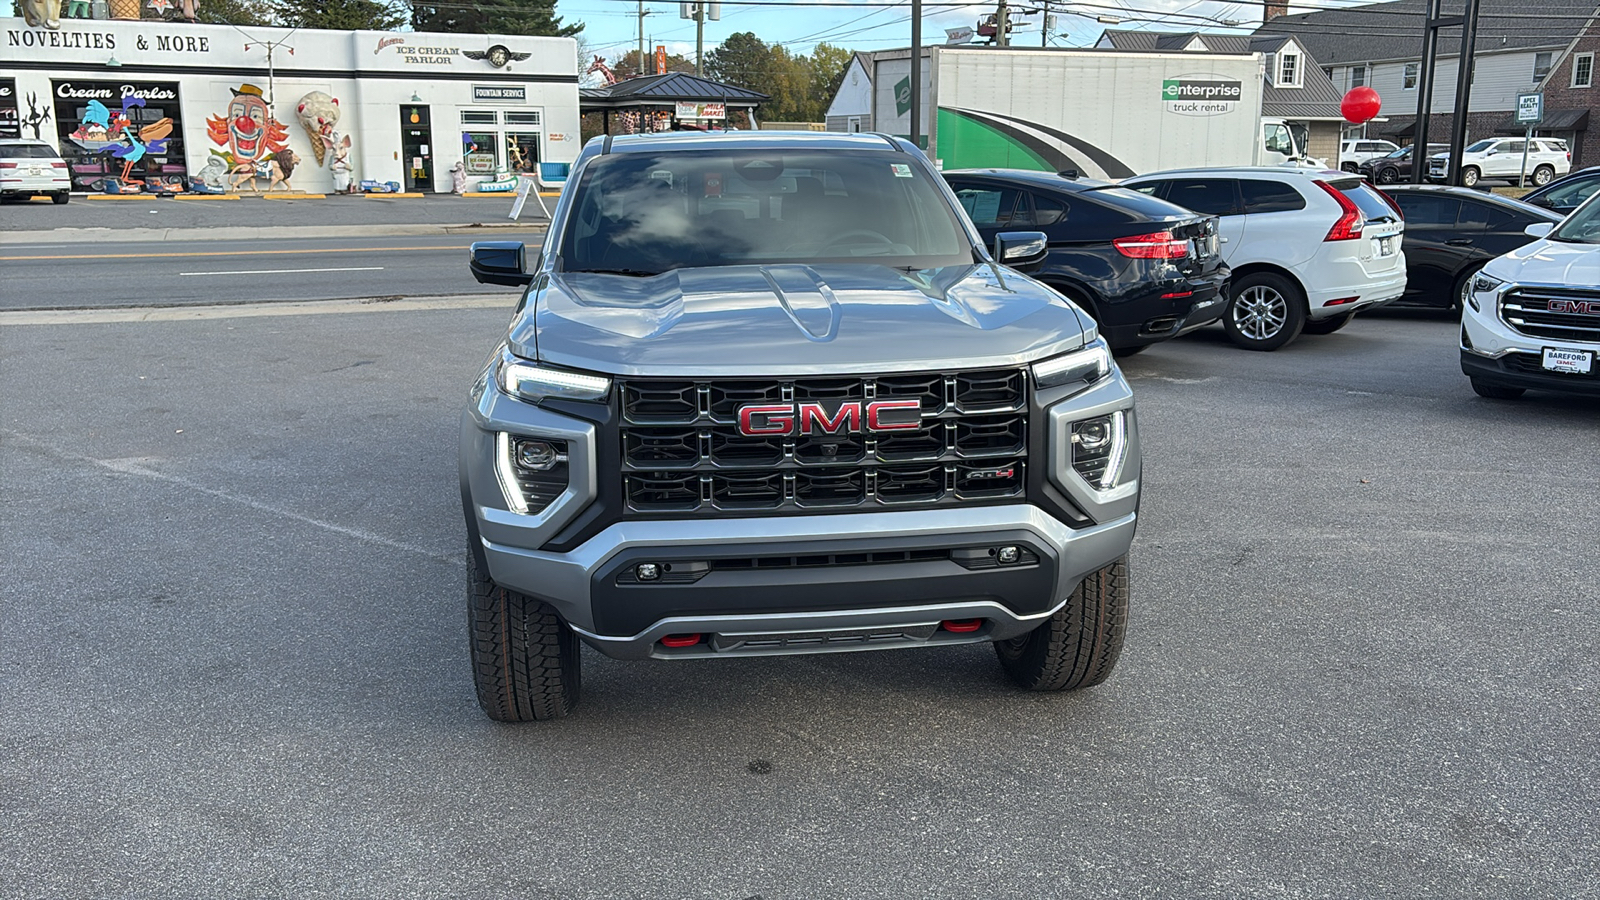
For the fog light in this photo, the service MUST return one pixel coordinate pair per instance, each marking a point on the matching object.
(537, 456)
(1008, 555)
(647, 572)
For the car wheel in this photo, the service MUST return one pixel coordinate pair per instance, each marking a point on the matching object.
(1463, 285)
(1265, 312)
(1348, 167)
(1327, 326)
(525, 660)
(1469, 176)
(1543, 175)
(1496, 392)
(1388, 175)
(1079, 645)
(60, 198)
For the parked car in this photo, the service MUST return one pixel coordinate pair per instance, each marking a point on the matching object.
(1396, 166)
(1566, 194)
(1353, 153)
(1451, 232)
(1547, 159)
(1308, 249)
(1532, 316)
(1145, 269)
(769, 393)
(33, 167)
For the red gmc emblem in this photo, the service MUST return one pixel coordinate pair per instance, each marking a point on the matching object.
(1581, 307)
(789, 419)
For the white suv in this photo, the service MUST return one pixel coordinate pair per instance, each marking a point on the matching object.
(1532, 316)
(1308, 249)
(33, 167)
(1548, 158)
(1353, 153)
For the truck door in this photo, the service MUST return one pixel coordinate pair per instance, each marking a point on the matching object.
(1212, 197)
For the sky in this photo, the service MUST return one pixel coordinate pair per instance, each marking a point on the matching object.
(612, 26)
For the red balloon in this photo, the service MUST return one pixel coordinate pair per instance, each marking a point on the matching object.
(1360, 105)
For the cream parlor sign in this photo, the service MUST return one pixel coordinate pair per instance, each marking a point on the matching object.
(419, 54)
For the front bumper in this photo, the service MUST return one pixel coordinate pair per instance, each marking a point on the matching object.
(797, 583)
(1494, 353)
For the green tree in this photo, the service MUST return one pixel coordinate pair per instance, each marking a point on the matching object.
(627, 65)
(801, 87)
(527, 17)
(828, 65)
(340, 15)
(234, 12)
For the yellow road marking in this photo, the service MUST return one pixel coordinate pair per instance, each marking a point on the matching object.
(230, 253)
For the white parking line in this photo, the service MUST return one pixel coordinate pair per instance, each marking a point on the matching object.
(289, 271)
(506, 301)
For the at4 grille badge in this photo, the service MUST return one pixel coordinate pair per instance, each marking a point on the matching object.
(850, 417)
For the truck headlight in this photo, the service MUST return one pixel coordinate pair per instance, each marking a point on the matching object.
(533, 382)
(1482, 284)
(532, 471)
(1099, 448)
(1088, 366)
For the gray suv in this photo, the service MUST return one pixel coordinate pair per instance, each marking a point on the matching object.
(769, 394)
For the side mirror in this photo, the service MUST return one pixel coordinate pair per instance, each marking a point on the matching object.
(499, 262)
(1020, 248)
(1539, 229)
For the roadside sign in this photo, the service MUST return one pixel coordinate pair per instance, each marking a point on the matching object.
(957, 36)
(1530, 109)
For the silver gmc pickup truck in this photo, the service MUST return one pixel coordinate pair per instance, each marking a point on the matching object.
(768, 393)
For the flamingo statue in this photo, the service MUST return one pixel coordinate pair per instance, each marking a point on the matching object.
(599, 65)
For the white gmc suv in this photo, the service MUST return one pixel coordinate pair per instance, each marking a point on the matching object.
(1308, 249)
(1532, 316)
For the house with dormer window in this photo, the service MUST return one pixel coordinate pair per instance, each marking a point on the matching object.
(1522, 47)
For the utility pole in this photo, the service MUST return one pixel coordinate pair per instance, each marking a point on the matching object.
(1002, 27)
(1044, 26)
(916, 73)
(641, 37)
(699, 39)
(1458, 129)
(1430, 56)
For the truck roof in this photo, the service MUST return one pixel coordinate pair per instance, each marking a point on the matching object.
(752, 140)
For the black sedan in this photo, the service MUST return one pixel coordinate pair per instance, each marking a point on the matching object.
(1451, 232)
(1395, 167)
(1566, 194)
(1145, 269)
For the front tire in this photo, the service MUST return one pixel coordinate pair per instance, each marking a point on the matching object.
(1543, 175)
(1327, 326)
(1469, 176)
(1349, 167)
(1079, 645)
(1388, 175)
(1496, 392)
(1265, 312)
(525, 660)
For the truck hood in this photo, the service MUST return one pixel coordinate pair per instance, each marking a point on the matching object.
(1549, 262)
(795, 320)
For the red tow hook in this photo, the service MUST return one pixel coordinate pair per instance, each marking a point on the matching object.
(961, 626)
(680, 640)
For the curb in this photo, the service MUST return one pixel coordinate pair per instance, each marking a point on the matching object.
(249, 233)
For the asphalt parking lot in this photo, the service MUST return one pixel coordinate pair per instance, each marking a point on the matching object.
(1361, 658)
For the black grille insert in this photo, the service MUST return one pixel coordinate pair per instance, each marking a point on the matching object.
(1558, 313)
(683, 452)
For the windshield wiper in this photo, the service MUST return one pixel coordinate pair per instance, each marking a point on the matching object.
(633, 273)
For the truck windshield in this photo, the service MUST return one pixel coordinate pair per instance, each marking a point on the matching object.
(1582, 227)
(646, 213)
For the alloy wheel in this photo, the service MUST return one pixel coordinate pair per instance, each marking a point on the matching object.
(1259, 312)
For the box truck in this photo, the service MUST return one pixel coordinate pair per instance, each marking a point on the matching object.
(1103, 113)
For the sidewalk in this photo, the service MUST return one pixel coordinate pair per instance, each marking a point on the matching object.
(155, 219)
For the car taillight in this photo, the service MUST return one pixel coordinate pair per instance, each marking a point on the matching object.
(58, 164)
(1350, 223)
(6, 165)
(1156, 245)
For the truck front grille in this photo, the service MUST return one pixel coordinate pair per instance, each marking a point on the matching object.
(683, 451)
(1557, 313)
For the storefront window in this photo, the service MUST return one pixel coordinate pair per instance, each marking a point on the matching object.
(482, 156)
(522, 151)
(111, 127)
(479, 117)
